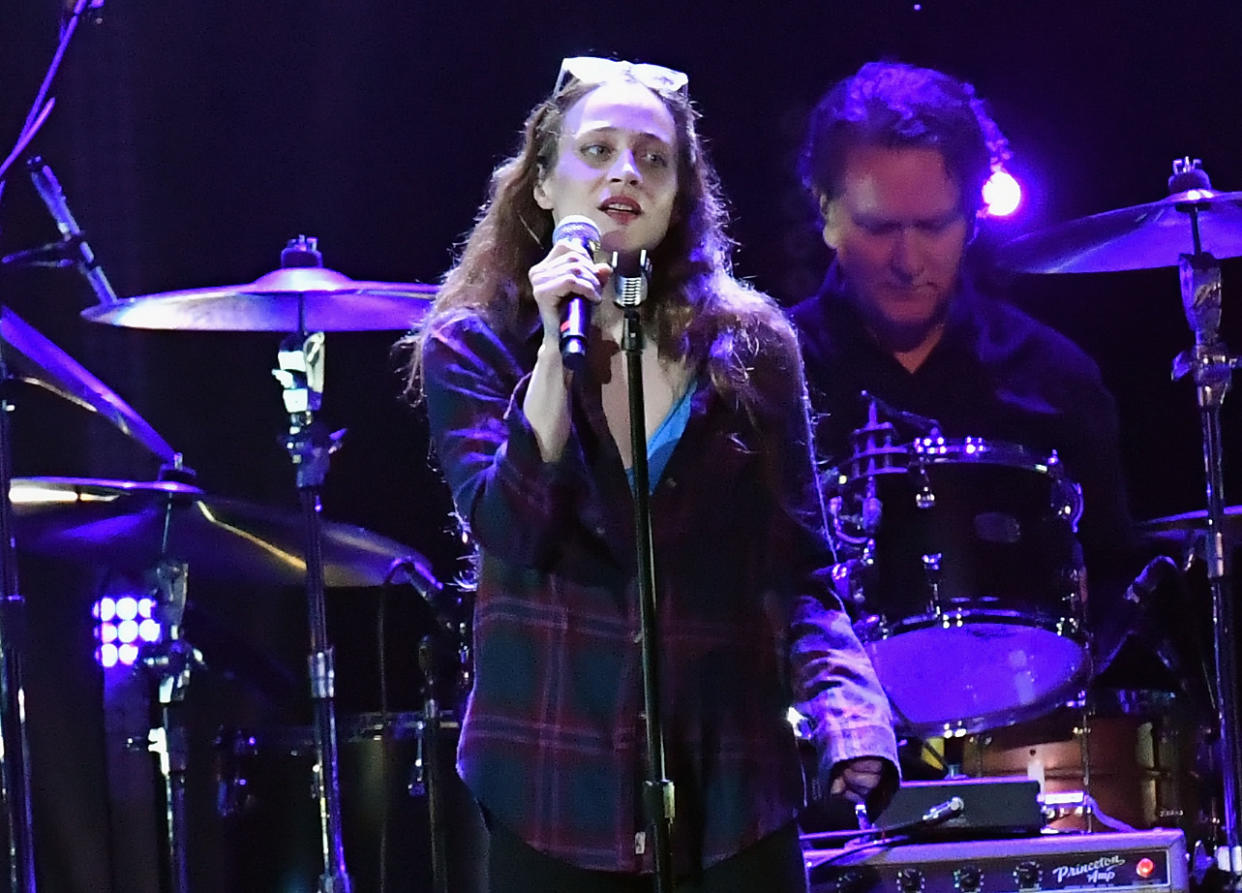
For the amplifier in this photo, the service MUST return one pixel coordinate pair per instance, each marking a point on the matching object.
(1147, 861)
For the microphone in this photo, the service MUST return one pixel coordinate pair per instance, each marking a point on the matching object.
(53, 196)
(576, 315)
(630, 273)
(49, 254)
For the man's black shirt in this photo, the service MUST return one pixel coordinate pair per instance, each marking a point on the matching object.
(997, 374)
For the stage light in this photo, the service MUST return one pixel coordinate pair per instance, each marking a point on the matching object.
(1002, 194)
(106, 655)
(124, 622)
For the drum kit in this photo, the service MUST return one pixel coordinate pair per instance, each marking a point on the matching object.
(960, 561)
(974, 553)
(169, 531)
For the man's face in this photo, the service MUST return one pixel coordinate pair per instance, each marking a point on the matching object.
(899, 233)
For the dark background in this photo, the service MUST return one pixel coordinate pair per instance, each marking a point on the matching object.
(193, 139)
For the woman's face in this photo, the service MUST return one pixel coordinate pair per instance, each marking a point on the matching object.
(616, 163)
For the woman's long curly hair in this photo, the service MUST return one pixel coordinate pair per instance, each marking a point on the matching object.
(697, 312)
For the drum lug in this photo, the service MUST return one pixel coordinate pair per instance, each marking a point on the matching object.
(1066, 495)
(924, 495)
(235, 752)
(932, 572)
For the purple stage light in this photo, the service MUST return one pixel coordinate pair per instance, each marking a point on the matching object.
(123, 624)
(127, 631)
(1002, 194)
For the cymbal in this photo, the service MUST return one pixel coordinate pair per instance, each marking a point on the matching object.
(1196, 520)
(32, 358)
(1134, 238)
(288, 299)
(120, 524)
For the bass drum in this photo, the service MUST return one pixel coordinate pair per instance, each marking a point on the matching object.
(968, 588)
(1135, 753)
(267, 809)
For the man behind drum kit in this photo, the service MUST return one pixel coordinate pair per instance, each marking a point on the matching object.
(896, 158)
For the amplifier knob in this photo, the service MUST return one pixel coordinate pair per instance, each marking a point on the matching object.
(968, 879)
(910, 880)
(852, 881)
(1027, 874)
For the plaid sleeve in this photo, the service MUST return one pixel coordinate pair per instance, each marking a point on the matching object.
(834, 683)
(836, 687)
(514, 503)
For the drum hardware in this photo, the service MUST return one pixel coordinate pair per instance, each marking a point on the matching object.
(1196, 218)
(429, 754)
(306, 299)
(1140, 237)
(31, 358)
(301, 295)
(171, 664)
(27, 356)
(121, 524)
(15, 785)
(971, 545)
(301, 375)
(932, 571)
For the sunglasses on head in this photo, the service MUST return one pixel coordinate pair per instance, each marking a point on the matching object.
(597, 70)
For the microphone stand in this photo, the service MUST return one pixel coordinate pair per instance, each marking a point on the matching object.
(301, 373)
(658, 791)
(1212, 369)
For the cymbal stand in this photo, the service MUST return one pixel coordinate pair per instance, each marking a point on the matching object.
(15, 755)
(301, 374)
(171, 662)
(1211, 367)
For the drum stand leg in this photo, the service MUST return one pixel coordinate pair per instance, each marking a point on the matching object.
(171, 663)
(15, 785)
(432, 767)
(1212, 368)
(301, 358)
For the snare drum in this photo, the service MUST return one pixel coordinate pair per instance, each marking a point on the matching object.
(968, 586)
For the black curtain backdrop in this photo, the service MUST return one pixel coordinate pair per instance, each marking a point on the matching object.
(194, 139)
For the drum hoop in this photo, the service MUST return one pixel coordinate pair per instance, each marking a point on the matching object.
(983, 451)
(1049, 622)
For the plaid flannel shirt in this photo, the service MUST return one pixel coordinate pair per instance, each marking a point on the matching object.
(553, 742)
